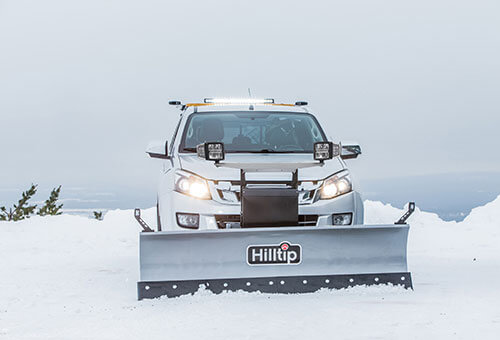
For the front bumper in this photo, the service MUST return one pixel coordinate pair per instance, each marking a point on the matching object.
(213, 214)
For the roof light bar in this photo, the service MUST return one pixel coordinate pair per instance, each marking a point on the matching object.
(238, 101)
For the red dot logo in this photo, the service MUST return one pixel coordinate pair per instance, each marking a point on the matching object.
(284, 246)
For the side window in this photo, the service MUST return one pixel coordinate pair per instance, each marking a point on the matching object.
(171, 146)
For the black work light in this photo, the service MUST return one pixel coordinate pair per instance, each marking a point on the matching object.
(214, 151)
(325, 150)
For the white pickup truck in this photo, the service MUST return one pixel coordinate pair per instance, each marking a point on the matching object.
(194, 194)
(254, 197)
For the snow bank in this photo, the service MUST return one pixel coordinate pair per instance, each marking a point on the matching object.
(68, 277)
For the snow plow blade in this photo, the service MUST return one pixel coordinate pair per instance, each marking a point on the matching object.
(272, 260)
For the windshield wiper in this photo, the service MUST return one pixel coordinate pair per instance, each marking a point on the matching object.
(247, 151)
(267, 151)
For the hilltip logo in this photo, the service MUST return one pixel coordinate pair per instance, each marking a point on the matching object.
(283, 253)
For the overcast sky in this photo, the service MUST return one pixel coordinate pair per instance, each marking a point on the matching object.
(84, 85)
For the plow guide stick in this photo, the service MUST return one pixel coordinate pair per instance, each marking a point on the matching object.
(274, 260)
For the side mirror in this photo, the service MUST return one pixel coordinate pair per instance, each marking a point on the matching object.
(158, 149)
(350, 151)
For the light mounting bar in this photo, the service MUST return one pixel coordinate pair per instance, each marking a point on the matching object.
(214, 151)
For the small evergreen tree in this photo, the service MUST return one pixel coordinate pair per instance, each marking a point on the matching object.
(22, 209)
(98, 215)
(6, 215)
(50, 207)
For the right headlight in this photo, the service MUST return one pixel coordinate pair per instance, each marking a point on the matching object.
(336, 185)
(191, 185)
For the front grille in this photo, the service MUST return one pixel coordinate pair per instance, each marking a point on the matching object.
(228, 192)
(308, 220)
(223, 220)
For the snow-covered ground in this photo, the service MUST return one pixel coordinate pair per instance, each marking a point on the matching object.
(68, 277)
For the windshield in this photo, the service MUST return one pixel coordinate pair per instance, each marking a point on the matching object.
(253, 131)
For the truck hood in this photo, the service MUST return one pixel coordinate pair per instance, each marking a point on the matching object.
(208, 170)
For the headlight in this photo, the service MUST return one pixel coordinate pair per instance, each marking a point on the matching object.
(191, 185)
(336, 185)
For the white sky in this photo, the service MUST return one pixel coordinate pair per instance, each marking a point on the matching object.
(84, 85)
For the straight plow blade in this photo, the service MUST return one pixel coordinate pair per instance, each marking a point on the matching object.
(272, 260)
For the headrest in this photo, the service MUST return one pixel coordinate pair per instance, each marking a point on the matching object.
(211, 130)
(242, 140)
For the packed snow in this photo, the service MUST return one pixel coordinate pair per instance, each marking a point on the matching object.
(68, 277)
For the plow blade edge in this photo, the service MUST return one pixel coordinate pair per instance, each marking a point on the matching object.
(273, 260)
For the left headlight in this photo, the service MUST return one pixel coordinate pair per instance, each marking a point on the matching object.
(191, 185)
(336, 185)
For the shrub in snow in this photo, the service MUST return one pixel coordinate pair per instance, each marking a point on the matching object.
(51, 207)
(22, 209)
(98, 215)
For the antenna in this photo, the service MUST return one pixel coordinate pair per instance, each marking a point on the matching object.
(250, 96)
